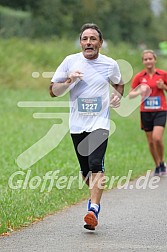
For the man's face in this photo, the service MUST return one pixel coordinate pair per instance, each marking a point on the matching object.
(90, 43)
(149, 60)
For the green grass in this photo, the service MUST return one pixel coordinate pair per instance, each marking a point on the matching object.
(127, 148)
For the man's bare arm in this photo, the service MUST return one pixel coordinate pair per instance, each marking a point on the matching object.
(58, 88)
(118, 91)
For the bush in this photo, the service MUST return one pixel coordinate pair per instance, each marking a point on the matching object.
(14, 23)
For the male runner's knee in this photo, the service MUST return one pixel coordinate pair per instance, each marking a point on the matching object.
(95, 166)
(85, 174)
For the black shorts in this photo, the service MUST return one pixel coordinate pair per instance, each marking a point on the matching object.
(90, 148)
(151, 119)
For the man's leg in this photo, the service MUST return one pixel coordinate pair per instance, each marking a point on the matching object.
(96, 187)
(97, 148)
(83, 160)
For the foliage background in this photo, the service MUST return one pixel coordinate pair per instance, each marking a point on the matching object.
(131, 21)
(34, 37)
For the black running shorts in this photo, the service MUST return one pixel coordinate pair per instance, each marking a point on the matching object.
(151, 119)
(90, 148)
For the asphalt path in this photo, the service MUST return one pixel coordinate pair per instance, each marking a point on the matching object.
(130, 220)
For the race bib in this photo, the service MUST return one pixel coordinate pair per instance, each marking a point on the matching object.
(89, 106)
(153, 102)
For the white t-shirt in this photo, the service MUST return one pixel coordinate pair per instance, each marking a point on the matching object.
(89, 97)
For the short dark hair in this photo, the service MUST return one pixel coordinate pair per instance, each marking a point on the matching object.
(91, 26)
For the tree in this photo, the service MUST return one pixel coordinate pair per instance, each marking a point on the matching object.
(19, 4)
(131, 21)
(52, 17)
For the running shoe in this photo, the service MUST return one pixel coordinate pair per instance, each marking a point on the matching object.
(163, 168)
(87, 226)
(91, 218)
(157, 171)
(89, 206)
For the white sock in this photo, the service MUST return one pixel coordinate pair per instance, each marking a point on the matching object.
(95, 206)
